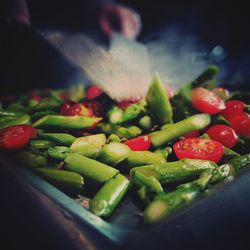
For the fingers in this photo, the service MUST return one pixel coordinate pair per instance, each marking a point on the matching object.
(128, 21)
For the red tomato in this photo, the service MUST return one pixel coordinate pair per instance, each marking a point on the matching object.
(221, 92)
(93, 92)
(66, 107)
(36, 98)
(79, 109)
(197, 148)
(16, 137)
(96, 107)
(192, 134)
(233, 108)
(223, 134)
(241, 124)
(126, 103)
(140, 143)
(206, 101)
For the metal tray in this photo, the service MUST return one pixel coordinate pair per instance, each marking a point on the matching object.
(219, 220)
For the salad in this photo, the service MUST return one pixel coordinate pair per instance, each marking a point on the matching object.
(167, 149)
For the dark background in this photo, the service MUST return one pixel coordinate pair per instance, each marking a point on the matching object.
(28, 61)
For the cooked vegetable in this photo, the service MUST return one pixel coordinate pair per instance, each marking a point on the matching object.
(109, 196)
(16, 137)
(168, 146)
(15, 120)
(176, 171)
(66, 122)
(69, 182)
(113, 153)
(60, 139)
(158, 102)
(90, 169)
(241, 124)
(140, 143)
(206, 101)
(223, 134)
(179, 129)
(164, 205)
(93, 92)
(233, 108)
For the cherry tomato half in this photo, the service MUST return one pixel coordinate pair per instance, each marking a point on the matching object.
(140, 143)
(66, 107)
(221, 92)
(79, 110)
(96, 107)
(241, 124)
(206, 101)
(233, 108)
(223, 134)
(93, 92)
(16, 137)
(197, 148)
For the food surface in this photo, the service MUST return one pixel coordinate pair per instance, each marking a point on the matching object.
(166, 151)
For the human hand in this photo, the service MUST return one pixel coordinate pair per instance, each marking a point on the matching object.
(116, 18)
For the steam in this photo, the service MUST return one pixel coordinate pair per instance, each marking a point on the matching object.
(125, 71)
(178, 58)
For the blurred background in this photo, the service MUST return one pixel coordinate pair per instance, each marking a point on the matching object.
(182, 38)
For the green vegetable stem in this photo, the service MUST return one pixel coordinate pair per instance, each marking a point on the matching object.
(92, 170)
(179, 129)
(66, 122)
(109, 196)
(69, 182)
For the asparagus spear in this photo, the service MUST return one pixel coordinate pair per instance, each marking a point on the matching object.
(165, 205)
(90, 169)
(132, 112)
(60, 139)
(148, 186)
(69, 182)
(23, 119)
(50, 104)
(88, 146)
(6, 112)
(176, 171)
(40, 144)
(59, 152)
(146, 123)
(109, 196)
(122, 132)
(31, 160)
(158, 102)
(140, 158)
(66, 122)
(180, 128)
(207, 75)
(113, 153)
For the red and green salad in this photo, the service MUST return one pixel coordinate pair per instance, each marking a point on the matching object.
(86, 144)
